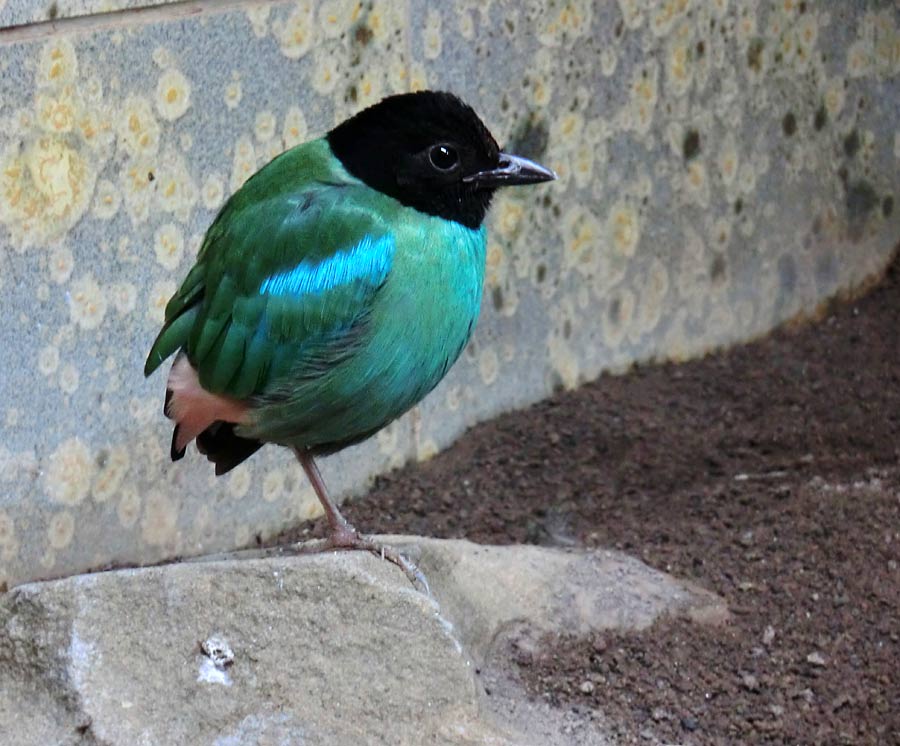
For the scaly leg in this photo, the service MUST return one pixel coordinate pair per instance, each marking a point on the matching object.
(343, 535)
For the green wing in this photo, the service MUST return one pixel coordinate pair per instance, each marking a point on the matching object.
(283, 283)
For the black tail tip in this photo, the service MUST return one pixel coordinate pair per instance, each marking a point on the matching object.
(175, 452)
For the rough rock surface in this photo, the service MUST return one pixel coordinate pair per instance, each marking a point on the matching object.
(318, 649)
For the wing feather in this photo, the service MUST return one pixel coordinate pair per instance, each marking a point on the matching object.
(283, 284)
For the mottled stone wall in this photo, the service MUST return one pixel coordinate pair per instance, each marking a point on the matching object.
(723, 166)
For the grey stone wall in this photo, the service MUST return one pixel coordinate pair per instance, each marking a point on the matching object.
(723, 167)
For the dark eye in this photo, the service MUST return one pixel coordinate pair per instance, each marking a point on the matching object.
(443, 157)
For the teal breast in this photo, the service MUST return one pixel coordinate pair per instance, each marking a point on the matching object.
(420, 322)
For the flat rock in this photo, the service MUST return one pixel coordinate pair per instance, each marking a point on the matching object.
(316, 649)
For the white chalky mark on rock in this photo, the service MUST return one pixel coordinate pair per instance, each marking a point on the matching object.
(217, 657)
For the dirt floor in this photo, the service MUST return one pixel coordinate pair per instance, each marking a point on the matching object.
(769, 474)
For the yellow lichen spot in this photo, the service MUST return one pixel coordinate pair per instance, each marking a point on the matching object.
(418, 77)
(834, 97)
(632, 13)
(426, 449)
(233, 94)
(368, 90)
(48, 359)
(239, 480)
(159, 520)
(680, 71)
(859, 58)
(69, 471)
(169, 245)
(43, 190)
(56, 112)
(310, 507)
(107, 200)
(540, 90)
(807, 30)
(213, 192)
(296, 35)
(431, 38)
(581, 236)
(123, 296)
(87, 303)
(583, 164)
(244, 164)
(488, 365)
(325, 76)
(465, 24)
(609, 60)
(453, 398)
(57, 63)
(564, 361)
(666, 14)
(173, 95)
(264, 128)
(137, 128)
(57, 172)
(259, 19)
(566, 130)
(642, 103)
(508, 214)
(137, 179)
(61, 264)
(729, 160)
(69, 378)
(656, 285)
(623, 229)
(333, 18)
(129, 508)
(493, 263)
(163, 58)
(295, 129)
(159, 297)
(176, 191)
(273, 486)
(697, 183)
(61, 530)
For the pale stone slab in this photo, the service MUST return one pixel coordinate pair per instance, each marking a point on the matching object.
(323, 649)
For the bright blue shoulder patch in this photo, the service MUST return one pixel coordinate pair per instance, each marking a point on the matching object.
(369, 260)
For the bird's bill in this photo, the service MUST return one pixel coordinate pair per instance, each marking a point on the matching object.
(511, 170)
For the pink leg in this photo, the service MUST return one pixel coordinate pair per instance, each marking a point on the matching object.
(342, 534)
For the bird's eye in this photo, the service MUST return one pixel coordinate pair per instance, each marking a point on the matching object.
(443, 157)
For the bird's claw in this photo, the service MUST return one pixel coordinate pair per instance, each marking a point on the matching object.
(350, 539)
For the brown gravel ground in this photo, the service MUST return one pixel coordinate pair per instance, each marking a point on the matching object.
(769, 474)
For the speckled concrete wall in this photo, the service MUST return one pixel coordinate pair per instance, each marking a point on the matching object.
(723, 166)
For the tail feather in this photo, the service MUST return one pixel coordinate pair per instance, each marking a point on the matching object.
(224, 448)
(193, 408)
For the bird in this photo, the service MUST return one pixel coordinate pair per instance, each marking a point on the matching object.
(334, 289)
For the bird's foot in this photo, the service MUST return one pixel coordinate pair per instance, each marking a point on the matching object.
(347, 537)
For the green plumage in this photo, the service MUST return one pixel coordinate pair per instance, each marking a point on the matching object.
(328, 306)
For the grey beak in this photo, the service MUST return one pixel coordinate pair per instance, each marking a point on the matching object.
(511, 170)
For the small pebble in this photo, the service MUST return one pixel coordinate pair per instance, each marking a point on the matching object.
(815, 658)
(769, 635)
(218, 651)
(587, 687)
(689, 724)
